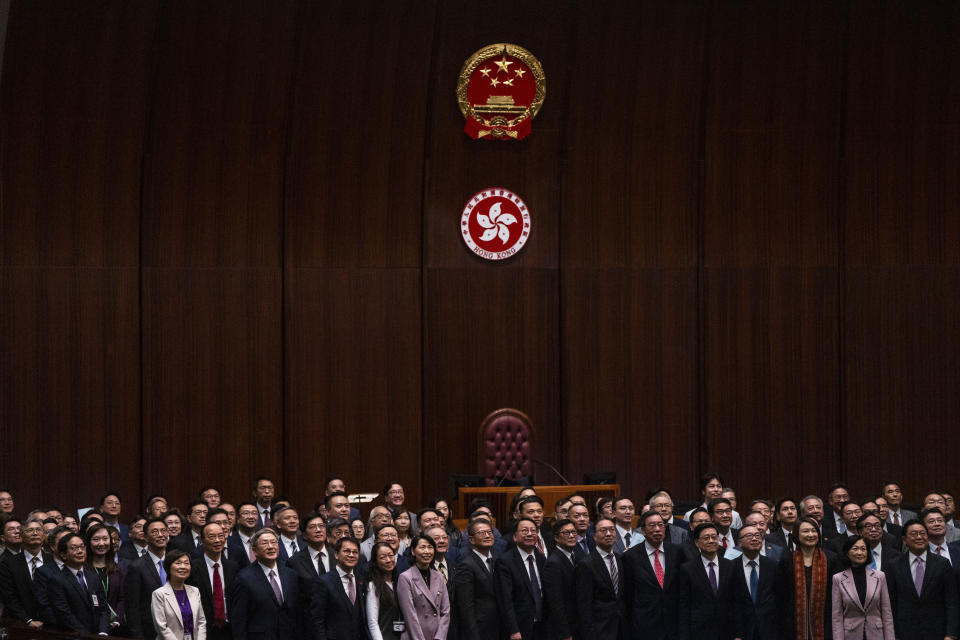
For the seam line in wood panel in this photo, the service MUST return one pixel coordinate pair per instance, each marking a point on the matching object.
(703, 441)
(841, 251)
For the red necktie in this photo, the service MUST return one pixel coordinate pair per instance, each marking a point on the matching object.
(657, 567)
(253, 557)
(539, 544)
(723, 541)
(939, 550)
(896, 518)
(219, 607)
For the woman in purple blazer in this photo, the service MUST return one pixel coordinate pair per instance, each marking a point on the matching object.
(861, 604)
(422, 593)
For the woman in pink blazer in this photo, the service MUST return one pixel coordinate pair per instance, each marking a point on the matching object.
(422, 593)
(861, 604)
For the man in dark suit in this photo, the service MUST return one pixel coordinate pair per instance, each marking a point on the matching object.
(518, 574)
(754, 588)
(110, 510)
(923, 590)
(476, 600)
(287, 523)
(77, 597)
(721, 514)
(336, 611)
(661, 501)
(849, 513)
(18, 572)
(559, 582)
(136, 543)
(892, 533)
(263, 493)
(266, 595)
(651, 574)
(787, 514)
(144, 576)
(190, 539)
(624, 512)
(238, 544)
(316, 557)
(334, 484)
(580, 516)
(46, 573)
(832, 525)
(705, 591)
(214, 576)
(598, 580)
(757, 520)
(870, 526)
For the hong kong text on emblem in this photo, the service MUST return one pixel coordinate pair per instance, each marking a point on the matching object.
(500, 90)
(495, 223)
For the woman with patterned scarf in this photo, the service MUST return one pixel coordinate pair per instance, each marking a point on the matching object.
(805, 586)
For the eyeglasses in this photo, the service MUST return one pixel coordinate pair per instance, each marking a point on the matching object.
(603, 530)
(916, 533)
(751, 536)
(871, 525)
(567, 532)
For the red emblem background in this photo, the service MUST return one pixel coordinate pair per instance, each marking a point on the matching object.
(513, 220)
(500, 91)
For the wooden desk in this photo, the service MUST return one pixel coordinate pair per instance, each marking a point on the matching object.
(500, 497)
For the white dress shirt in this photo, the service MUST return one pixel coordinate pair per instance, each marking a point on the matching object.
(276, 572)
(223, 580)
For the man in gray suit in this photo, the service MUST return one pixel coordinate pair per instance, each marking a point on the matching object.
(894, 496)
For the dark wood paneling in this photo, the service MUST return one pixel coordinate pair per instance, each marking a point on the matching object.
(213, 176)
(902, 240)
(74, 92)
(212, 392)
(355, 171)
(629, 246)
(770, 323)
(352, 380)
(490, 342)
(70, 408)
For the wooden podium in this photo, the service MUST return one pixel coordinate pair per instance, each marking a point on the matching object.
(500, 498)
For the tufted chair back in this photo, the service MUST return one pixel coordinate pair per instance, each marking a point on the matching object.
(505, 446)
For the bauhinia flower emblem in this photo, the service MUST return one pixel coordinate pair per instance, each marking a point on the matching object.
(496, 224)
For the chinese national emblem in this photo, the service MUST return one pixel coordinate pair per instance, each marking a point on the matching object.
(500, 90)
(495, 224)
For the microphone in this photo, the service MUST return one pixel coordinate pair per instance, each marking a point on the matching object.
(552, 468)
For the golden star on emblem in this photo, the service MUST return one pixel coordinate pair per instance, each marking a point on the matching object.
(520, 73)
(494, 82)
(509, 82)
(503, 64)
(485, 72)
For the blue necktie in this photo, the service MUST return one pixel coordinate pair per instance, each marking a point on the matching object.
(163, 574)
(754, 580)
(873, 561)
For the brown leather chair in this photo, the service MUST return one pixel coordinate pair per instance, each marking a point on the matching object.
(506, 446)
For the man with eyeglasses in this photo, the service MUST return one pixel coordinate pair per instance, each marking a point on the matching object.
(214, 576)
(936, 500)
(650, 579)
(559, 581)
(238, 544)
(758, 521)
(336, 610)
(721, 514)
(850, 513)
(78, 598)
(936, 524)
(754, 587)
(144, 576)
(18, 572)
(870, 527)
(266, 595)
(705, 592)
(476, 600)
(923, 590)
(599, 586)
(519, 577)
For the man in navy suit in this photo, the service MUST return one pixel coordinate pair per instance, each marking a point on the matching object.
(476, 600)
(263, 492)
(518, 574)
(144, 576)
(214, 575)
(759, 522)
(18, 573)
(624, 512)
(651, 574)
(559, 581)
(136, 543)
(238, 544)
(266, 595)
(923, 590)
(599, 585)
(336, 611)
(754, 587)
(110, 510)
(580, 516)
(77, 597)
(705, 592)
(287, 523)
(336, 483)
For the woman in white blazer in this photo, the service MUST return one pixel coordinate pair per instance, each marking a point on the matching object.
(177, 601)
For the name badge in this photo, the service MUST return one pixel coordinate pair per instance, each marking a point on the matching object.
(399, 626)
(96, 603)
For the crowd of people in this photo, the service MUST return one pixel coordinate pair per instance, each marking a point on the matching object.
(622, 568)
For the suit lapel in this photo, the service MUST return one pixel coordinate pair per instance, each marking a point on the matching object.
(846, 580)
(873, 583)
(171, 600)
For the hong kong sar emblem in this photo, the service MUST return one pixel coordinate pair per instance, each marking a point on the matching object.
(500, 90)
(495, 223)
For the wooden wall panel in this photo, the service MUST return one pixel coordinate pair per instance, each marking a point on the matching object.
(902, 240)
(212, 394)
(629, 246)
(212, 243)
(491, 330)
(353, 250)
(70, 410)
(770, 324)
(353, 380)
(71, 125)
